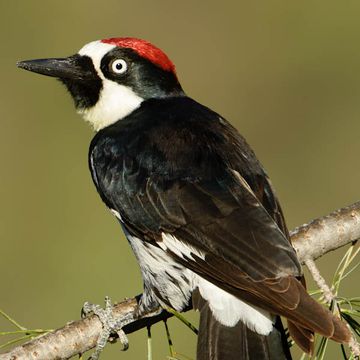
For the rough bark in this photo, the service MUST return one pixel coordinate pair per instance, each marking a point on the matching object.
(311, 241)
(327, 233)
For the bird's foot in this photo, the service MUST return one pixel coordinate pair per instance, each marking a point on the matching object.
(110, 324)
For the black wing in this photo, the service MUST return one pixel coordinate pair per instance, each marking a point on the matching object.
(196, 178)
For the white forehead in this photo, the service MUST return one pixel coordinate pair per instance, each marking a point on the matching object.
(96, 51)
(115, 100)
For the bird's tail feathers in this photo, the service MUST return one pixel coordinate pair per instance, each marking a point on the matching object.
(310, 317)
(220, 342)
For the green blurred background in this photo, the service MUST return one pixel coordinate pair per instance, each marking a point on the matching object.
(285, 73)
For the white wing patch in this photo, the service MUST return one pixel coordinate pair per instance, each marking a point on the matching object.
(176, 283)
(172, 281)
(226, 308)
(178, 247)
(229, 310)
(116, 214)
(116, 101)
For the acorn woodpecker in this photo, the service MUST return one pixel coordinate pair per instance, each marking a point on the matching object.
(194, 202)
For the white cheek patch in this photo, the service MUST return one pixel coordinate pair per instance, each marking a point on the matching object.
(229, 310)
(115, 101)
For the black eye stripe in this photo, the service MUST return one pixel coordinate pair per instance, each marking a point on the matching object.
(85, 93)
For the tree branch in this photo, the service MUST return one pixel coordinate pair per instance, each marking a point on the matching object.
(327, 233)
(311, 241)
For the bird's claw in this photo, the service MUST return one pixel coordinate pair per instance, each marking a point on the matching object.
(110, 325)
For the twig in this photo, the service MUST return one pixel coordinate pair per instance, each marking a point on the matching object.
(310, 241)
(320, 281)
(330, 297)
(354, 347)
(7, 317)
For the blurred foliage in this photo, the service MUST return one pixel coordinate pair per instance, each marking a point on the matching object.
(286, 74)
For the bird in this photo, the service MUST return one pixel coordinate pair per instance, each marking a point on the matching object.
(195, 204)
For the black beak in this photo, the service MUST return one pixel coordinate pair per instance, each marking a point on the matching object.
(66, 68)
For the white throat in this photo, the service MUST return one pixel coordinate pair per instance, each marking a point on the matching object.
(115, 101)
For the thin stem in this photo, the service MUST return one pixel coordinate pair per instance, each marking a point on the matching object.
(347, 259)
(183, 320)
(26, 332)
(171, 346)
(15, 341)
(6, 316)
(149, 343)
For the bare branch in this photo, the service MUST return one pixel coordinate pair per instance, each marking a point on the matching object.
(327, 233)
(311, 241)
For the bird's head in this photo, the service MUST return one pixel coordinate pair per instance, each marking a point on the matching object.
(110, 78)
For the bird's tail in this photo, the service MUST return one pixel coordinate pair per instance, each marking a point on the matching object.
(220, 342)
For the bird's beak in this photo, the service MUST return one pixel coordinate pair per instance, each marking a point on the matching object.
(62, 68)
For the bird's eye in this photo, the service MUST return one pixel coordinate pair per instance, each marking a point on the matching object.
(119, 66)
